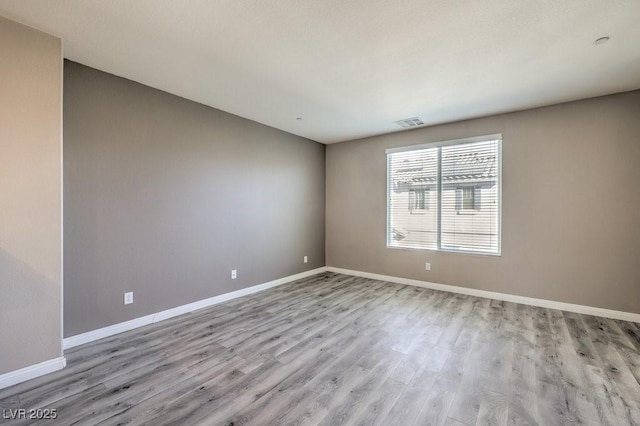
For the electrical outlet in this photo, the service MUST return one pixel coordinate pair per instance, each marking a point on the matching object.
(305, 259)
(234, 274)
(128, 298)
(427, 266)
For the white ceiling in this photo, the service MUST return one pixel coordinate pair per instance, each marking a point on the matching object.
(351, 68)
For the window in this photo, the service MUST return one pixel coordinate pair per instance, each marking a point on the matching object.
(419, 200)
(468, 199)
(446, 195)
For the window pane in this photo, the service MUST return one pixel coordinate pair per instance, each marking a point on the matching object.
(446, 197)
(413, 180)
(470, 197)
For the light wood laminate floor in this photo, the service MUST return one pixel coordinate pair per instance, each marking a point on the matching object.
(334, 349)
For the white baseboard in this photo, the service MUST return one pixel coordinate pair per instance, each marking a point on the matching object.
(562, 306)
(31, 372)
(111, 330)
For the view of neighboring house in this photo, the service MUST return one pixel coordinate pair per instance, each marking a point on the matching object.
(468, 204)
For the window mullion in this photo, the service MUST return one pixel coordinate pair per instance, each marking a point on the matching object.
(439, 196)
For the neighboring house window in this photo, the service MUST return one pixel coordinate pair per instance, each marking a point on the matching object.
(468, 198)
(456, 188)
(419, 200)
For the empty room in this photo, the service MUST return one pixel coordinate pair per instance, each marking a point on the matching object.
(319, 212)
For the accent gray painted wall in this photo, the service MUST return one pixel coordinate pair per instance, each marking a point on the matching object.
(164, 196)
(30, 196)
(571, 205)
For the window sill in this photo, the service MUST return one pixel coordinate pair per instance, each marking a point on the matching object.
(463, 252)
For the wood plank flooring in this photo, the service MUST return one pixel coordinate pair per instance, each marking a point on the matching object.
(334, 349)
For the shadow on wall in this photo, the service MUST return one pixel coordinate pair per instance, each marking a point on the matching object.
(21, 286)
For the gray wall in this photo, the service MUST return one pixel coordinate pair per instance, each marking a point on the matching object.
(30, 196)
(164, 196)
(571, 205)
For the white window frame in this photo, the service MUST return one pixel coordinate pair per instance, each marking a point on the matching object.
(484, 138)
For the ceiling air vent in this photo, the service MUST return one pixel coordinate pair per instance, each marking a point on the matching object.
(409, 122)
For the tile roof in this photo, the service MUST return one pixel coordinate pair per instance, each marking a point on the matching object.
(471, 165)
(456, 168)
